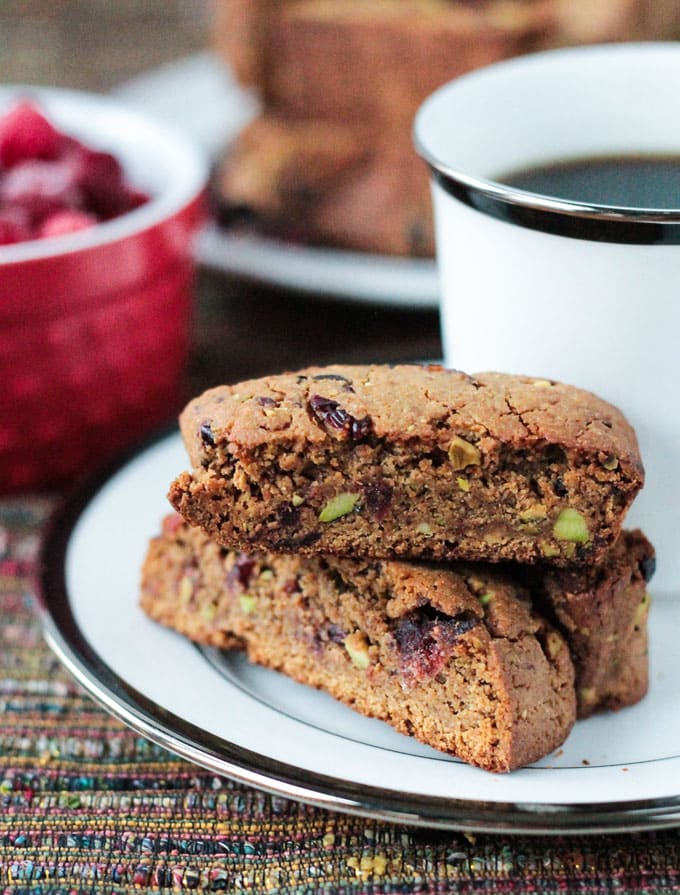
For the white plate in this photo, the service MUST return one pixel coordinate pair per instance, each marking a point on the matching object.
(199, 96)
(355, 276)
(615, 772)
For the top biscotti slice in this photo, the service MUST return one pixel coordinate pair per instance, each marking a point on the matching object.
(409, 461)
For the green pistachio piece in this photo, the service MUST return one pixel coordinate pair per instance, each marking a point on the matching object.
(186, 590)
(611, 462)
(297, 500)
(462, 453)
(549, 550)
(486, 598)
(248, 603)
(641, 611)
(338, 506)
(266, 575)
(535, 513)
(424, 528)
(208, 612)
(463, 483)
(571, 526)
(357, 649)
(588, 695)
(476, 585)
(553, 644)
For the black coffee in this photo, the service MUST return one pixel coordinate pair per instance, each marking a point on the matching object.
(642, 181)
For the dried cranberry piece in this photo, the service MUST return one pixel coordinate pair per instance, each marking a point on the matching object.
(378, 498)
(288, 515)
(266, 401)
(362, 428)
(241, 572)
(292, 586)
(425, 637)
(647, 567)
(290, 545)
(335, 633)
(560, 488)
(330, 414)
(330, 633)
(207, 435)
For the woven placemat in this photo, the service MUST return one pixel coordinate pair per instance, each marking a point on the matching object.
(87, 805)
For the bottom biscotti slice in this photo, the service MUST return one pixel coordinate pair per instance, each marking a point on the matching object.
(467, 668)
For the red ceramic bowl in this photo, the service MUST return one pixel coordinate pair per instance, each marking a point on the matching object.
(94, 325)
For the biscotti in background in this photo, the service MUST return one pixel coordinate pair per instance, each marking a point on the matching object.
(409, 461)
(339, 73)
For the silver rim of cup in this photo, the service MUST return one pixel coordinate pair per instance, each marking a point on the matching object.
(601, 223)
(592, 221)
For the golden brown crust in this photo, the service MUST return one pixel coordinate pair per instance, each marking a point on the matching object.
(409, 461)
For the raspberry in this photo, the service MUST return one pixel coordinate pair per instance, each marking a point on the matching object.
(26, 134)
(51, 184)
(66, 221)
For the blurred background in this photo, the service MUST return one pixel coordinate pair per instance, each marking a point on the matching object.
(327, 160)
(100, 45)
(96, 44)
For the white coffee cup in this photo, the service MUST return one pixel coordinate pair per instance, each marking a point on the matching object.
(598, 307)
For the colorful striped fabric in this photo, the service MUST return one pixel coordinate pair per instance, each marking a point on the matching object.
(87, 805)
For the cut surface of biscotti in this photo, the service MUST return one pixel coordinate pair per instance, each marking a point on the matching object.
(481, 678)
(409, 461)
(602, 612)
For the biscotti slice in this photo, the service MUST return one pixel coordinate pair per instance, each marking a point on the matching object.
(484, 679)
(602, 611)
(330, 183)
(409, 461)
(377, 61)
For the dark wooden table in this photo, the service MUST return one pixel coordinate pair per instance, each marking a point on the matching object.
(242, 329)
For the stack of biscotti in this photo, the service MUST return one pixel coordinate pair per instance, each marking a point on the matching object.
(330, 159)
(439, 551)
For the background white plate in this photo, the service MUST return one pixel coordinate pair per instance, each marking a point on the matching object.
(200, 97)
(615, 772)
